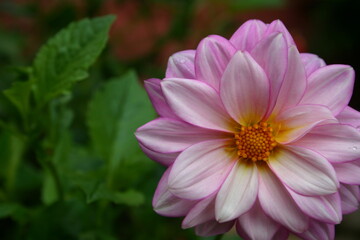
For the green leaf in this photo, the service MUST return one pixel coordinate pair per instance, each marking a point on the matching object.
(130, 197)
(60, 117)
(19, 95)
(66, 57)
(113, 116)
(16, 147)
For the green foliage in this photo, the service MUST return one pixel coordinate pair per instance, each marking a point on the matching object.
(57, 185)
(66, 57)
(129, 197)
(113, 116)
(49, 194)
(19, 95)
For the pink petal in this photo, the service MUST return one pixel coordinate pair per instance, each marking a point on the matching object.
(238, 193)
(212, 56)
(197, 103)
(278, 26)
(166, 204)
(304, 171)
(245, 89)
(323, 208)
(350, 116)
(294, 84)
(181, 65)
(295, 122)
(318, 231)
(212, 228)
(157, 98)
(255, 224)
(348, 173)
(311, 62)
(349, 198)
(165, 159)
(248, 35)
(282, 234)
(169, 135)
(277, 202)
(202, 212)
(331, 86)
(271, 54)
(201, 169)
(336, 142)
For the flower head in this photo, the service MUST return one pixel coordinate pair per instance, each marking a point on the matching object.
(252, 133)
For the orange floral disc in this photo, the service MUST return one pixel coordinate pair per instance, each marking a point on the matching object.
(255, 142)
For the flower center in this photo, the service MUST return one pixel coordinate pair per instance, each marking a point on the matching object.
(255, 142)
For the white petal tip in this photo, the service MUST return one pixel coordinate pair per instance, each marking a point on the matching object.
(331, 188)
(224, 216)
(338, 220)
(221, 220)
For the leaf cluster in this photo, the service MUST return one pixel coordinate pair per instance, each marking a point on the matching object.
(54, 186)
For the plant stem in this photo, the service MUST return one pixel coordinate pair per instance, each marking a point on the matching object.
(17, 147)
(52, 169)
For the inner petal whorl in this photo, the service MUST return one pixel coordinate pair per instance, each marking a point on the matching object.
(255, 142)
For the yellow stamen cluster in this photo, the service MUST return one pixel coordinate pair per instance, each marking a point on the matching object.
(255, 142)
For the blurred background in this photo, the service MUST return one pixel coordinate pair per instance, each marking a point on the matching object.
(147, 32)
(144, 35)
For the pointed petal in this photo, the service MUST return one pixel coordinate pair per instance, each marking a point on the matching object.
(212, 228)
(349, 198)
(350, 116)
(304, 171)
(271, 54)
(166, 204)
(256, 225)
(348, 173)
(294, 84)
(323, 208)
(212, 56)
(311, 62)
(181, 65)
(169, 135)
(295, 122)
(238, 193)
(318, 230)
(331, 86)
(248, 35)
(277, 202)
(153, 88)
(201, 169)
(165, 159)
(197, 103)
(336, 142)
(245, 89)
(202, 212)
(278, 26)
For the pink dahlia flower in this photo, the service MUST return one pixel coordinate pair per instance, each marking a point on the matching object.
(256, 135)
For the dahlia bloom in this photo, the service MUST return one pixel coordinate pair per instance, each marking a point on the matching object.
(254, 135)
